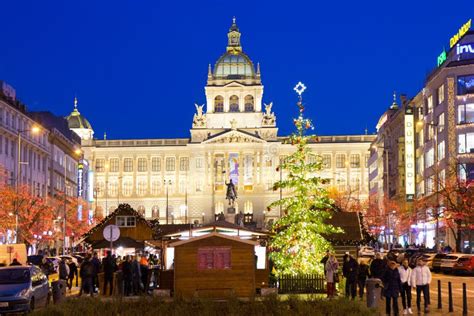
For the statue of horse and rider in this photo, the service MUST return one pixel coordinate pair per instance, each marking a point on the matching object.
(231, 193)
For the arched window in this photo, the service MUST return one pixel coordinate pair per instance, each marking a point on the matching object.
(219, 104)
(155, 211)
(141, 210)
(249, 103)
(219, 207)
(234, 104)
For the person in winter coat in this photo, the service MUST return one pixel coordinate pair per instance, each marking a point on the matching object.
(95, 278)
(127, 275)
(377, 267)
(72, 274)
(144, 272)
(349, 270)
(331, 269)
(63, 270)
(324, 260)
(87, 276)
(405, 276)
(136, 276)
(420, 280)
(110, 267)
(362, 276)
(392, 287)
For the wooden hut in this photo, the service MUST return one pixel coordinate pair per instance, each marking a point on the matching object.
(135, 230)
(216, 261)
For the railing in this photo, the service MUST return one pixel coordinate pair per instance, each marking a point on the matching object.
(301, 284)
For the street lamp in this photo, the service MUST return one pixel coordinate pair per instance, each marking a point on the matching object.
(167, 184)
(203, 217)
(33, 130)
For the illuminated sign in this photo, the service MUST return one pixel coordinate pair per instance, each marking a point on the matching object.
(80, 180)
(463, 30)
(409, 154)
(465, 51)
(442, 58)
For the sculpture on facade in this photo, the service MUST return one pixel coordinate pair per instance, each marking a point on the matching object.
(231, 193)
(199, 119)
(268, 116)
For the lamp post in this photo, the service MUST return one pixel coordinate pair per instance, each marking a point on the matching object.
(203, 217)
(33, 130)
(167, 184)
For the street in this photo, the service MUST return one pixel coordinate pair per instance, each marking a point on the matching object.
(456, 282)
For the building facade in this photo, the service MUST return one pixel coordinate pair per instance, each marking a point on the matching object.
(439, 121)
(234, 136)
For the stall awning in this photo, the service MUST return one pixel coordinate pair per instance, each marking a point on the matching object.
(124, 242)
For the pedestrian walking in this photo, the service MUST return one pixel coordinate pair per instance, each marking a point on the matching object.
(405, 276)
(96, 264)
(136, 275)
(73, 274)
(144, 272)
(362, 276)
(127, 276)
(87, 276)
(377, 267)
(331, 270)
(349, 271)
(420, 280)
(392, 287)
(63, 270)
(110, 267)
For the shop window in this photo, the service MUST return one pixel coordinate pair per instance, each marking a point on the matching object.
(466, 113)
(465, 85)
(466, 143)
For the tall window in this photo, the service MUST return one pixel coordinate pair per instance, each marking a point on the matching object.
(466, 113)
(340, 161)
(127, 186)
(441, 122)
(341, 184)
(142, 165)
(183, 164)
(466, 143)
(170, 164)
(141, 187)
(355, 161)
(442, 179)
(155, 211)
(234, 104)
(114, 165)
(198, 185)
(429, 158)
(312, 158)
(112, 188)
(99, 165)
(156, 164)
(430, 185)
(440, 94)
(128, 165)
(155, 186)
(429, 104)
(219, 104)
(248, 207)
(441, 150)
(355, 183)
(249, 107)
(199, 162)
(326, 161)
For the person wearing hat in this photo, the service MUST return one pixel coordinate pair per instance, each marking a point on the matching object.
(420, 280)
(392, 286)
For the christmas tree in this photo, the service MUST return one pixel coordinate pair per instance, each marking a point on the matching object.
(298, 244)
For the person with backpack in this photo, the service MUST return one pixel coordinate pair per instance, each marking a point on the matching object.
(87, 275)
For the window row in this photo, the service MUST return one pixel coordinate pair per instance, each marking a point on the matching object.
(143, 164)
(234, 104)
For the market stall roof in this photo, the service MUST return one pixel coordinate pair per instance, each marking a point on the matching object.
(222, 227)
(350, 223)
(213, 234)
(124, 242)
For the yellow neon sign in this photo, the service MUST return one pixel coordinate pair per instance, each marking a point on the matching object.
(463, 30)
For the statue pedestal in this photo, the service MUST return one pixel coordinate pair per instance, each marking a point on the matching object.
(231, 210)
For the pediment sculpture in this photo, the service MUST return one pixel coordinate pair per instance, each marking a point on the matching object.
(199, 119)
(269, 118)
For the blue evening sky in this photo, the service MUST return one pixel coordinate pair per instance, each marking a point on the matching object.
(137, 67)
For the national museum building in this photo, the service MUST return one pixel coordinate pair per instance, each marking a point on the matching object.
(183, 180)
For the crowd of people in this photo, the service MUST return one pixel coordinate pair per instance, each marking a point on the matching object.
(397, 280)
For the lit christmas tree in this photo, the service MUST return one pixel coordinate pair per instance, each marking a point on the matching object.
(298, 244)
